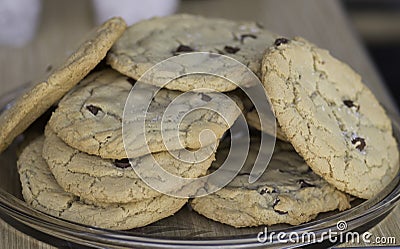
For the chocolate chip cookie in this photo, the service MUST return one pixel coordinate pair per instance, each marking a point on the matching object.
(35, 102)
(90, 118)
(41, 191)
(109, 181)
(287, 192)
(149, 42)
(331, 118)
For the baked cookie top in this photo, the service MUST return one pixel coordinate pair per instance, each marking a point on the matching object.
(41, 191)
(112, 181)
(149, 42)
(331, 118)
(90, 117)
(287, 192)
(35, 102)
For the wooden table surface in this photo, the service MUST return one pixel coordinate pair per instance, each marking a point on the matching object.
(64, 23)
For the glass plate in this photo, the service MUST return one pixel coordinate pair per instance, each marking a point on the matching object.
(186, 228)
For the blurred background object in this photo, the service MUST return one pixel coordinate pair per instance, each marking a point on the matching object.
(133, 10)
(18, 21)
(378, 23)
(19, 18)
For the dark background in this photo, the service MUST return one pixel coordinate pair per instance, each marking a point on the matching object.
(378, 24)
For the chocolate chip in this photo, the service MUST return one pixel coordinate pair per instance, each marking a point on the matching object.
(205, 97)
(243, 37)
(268, 190)
(263, 191)
(359, 143)
(131, 81)
(231, 50)
(183, 49)
(304, 184)
(350, 104)
(93, 109)
(123, 163)
(276, 201)
(280, 41)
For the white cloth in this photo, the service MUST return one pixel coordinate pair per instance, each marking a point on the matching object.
(18, 21)
(133, 10)
(19, 18)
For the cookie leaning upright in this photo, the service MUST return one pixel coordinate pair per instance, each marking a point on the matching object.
(330, 117)
(35, 102)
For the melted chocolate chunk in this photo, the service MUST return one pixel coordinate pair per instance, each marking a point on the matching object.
(183, 49)
(304, 184)
(268, 190)
(243, 37)
(231, 50)
(123, 163)
(93, 109)
(350, 104)
(280, 41)
(131, 81)
(276, 203)
(359, 143)
(205, 97)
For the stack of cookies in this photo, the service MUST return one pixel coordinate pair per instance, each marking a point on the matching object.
(335, 140)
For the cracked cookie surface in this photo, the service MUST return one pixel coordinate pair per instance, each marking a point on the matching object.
(41, 97)
(106, 180)
(331, 118)
(287, 192)
(151, 41)
(41, 191)
(90, 117)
